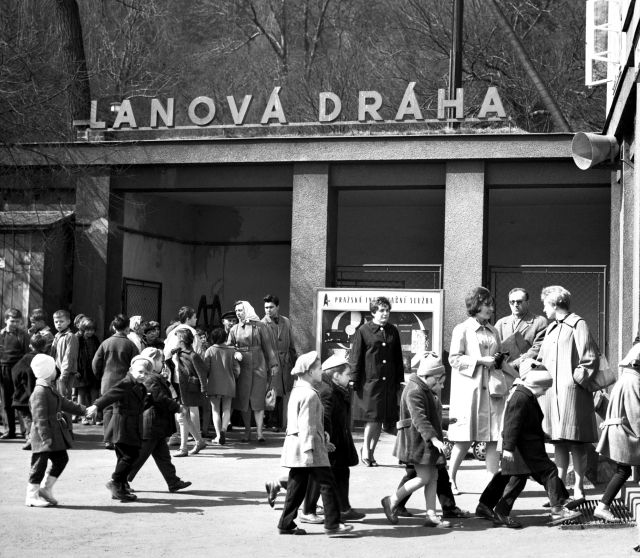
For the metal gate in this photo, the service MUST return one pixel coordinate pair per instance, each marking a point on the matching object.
(142, 298)
(587, 284)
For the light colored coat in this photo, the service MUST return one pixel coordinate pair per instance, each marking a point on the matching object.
(568, 353)
(522, 337)
(477, 415)
(65, 352)
(620, 439)
(282, 340)
(252, 339)
(305, 429)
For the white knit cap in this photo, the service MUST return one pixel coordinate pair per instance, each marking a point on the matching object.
(43, 366)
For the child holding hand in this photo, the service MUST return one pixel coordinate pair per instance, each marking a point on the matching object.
(50, 435)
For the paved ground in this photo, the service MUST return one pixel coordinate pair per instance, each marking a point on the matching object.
(226, 511)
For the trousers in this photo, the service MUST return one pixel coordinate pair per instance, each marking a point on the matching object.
(296, 489)
(159, 450)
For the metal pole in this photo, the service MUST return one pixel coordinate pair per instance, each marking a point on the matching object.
(455, 58)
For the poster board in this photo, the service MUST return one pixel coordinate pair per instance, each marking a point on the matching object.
(416, 313)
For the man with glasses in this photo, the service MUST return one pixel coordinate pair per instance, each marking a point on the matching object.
(522, 332)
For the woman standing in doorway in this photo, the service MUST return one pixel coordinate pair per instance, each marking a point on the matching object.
(378, 372)
(254, 351)
(479, 383)
(570, 356)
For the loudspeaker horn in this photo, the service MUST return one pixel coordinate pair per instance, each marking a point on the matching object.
(589, 150)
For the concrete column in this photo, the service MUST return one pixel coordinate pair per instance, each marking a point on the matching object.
(97, 273)
(464, 239)
(313, 244)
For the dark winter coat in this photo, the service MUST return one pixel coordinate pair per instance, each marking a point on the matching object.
(420, 420)
(336, 402)
(378, 371)
(112, 360)
(523, 428)
(47, 407)
(128, 400)
(160, 407)
(87, 349)
(192, 377)
(23, 381)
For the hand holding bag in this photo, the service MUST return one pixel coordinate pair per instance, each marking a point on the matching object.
(270, 400)
(498, 387)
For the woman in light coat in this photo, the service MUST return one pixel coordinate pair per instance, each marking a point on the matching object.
(569, 354)
(620, 439)
(480, 379)
(254, 351)
(305, 451)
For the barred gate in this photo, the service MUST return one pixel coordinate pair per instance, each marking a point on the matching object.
(587, 284)
(389, 276)
(142, 298)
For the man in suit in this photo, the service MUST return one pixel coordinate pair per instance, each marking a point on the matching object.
(280, 329)
(522, 332)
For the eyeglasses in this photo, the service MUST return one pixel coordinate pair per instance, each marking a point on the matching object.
(514, 302)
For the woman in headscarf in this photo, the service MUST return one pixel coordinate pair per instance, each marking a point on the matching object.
(258, 364)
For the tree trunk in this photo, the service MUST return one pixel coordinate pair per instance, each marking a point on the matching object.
(73, 60)
(559, 121)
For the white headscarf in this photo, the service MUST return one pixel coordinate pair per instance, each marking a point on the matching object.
(249, 312)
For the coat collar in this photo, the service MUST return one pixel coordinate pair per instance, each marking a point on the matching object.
(475, 325)
(376, 327)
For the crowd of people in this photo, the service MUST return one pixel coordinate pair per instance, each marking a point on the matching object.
(515, 386)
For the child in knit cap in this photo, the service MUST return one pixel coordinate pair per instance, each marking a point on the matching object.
(305, 451)
(420, 439)
(523, 431)
(50, 435)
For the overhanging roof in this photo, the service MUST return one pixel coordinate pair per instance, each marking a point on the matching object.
(298, 149)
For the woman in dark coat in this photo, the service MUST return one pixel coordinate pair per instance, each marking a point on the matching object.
(420, 439)
(158, 423)
(378, 372)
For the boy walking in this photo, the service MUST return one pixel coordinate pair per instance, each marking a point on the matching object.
(128, 399)
(523, 431)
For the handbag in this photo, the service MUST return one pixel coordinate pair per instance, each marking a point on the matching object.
(270, 400)
(600, 403)
(497, 384)
(604, 376)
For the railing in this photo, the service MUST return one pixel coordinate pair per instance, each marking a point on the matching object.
(390, 276)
